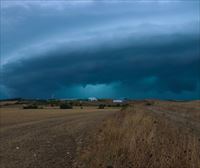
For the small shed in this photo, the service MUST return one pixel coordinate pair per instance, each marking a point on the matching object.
(117, 101)
(92, 99)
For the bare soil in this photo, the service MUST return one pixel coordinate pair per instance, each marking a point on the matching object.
(43, 138)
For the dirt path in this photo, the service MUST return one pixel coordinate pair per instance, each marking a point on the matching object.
(46, 142)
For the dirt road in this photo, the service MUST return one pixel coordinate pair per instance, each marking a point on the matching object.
(45, 138)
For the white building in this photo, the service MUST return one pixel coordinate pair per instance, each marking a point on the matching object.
(118, 101)
(92, 99)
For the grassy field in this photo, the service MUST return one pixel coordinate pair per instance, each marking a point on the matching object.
(146, 134)
(163, 135)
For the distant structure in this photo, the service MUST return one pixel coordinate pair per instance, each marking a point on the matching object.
(118, 101)
(92, 99)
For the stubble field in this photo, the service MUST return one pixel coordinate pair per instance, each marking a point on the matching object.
(45, 137)
(146, 134)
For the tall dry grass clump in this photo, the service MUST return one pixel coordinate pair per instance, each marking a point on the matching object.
(136, 138)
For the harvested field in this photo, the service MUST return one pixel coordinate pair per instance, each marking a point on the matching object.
(144, 137)
(146, 134)
(45, 137)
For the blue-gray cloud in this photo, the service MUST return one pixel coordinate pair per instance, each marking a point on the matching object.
(131, 49)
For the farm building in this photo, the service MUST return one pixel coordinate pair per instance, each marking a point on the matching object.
(118, 101)
(92, 99)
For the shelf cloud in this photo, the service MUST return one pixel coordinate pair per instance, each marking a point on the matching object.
(104, 49)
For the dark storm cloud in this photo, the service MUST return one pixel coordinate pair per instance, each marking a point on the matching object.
(133, 49)
(159, 63)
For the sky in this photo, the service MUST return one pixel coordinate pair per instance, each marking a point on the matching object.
(100, 48)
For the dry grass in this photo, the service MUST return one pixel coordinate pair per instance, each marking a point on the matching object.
(189, 109)
(138, 138)
(163, 135)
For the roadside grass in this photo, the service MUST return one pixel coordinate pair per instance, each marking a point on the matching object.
(136, 138)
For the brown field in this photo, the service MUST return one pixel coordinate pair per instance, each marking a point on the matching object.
(42, 138)
(163, 135)
(159, 134)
